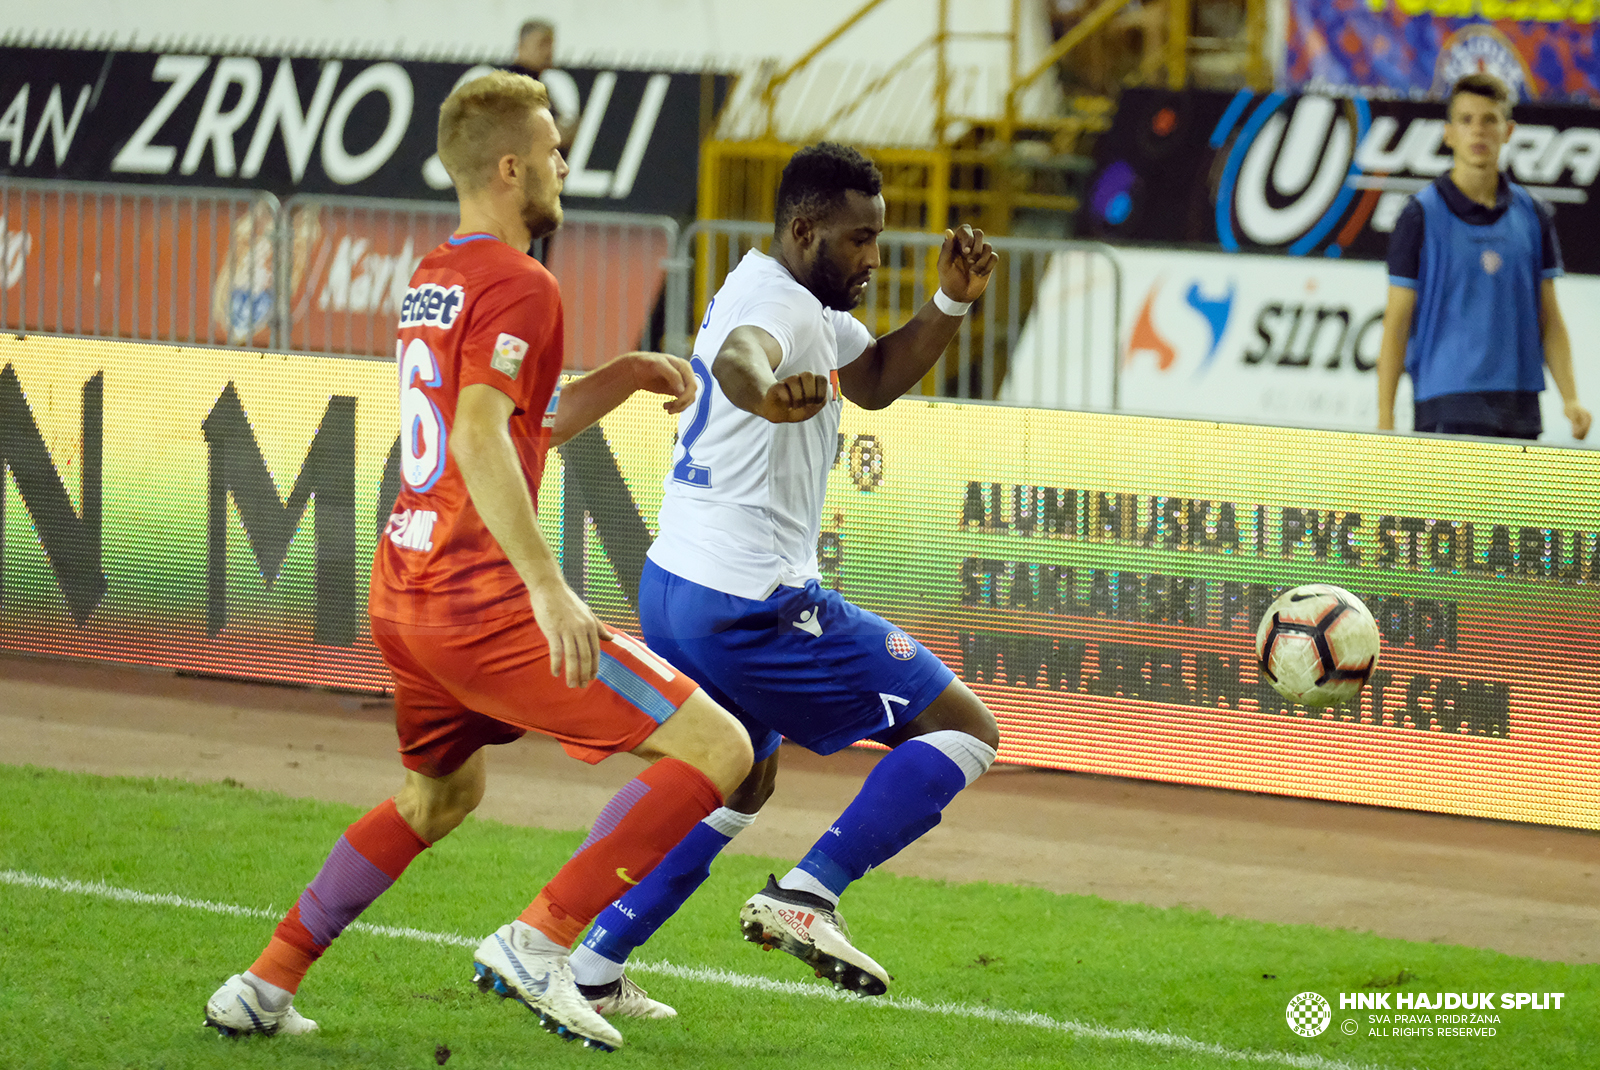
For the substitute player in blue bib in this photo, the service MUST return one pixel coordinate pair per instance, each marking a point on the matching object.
(1472, 313)
(730, 592)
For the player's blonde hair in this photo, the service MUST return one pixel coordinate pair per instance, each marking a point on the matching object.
(484, 120)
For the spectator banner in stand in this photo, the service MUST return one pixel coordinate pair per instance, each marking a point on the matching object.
(1096, 578)
(303, 125)
(1315, 175)
(1543, 51)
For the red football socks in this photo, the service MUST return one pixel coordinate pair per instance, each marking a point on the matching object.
(634, 831)
(368, 858)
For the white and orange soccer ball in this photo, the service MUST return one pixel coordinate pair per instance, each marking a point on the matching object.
(1317, 645)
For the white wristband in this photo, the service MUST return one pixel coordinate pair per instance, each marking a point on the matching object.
(949, 307)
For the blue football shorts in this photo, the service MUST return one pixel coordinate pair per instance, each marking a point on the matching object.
(804, 663)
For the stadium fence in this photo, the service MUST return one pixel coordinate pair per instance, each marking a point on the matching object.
(325, 274)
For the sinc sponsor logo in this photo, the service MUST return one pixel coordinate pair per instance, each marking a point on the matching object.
(1210, 314)
(1305, 332)
(1310, 174)
(412, 529)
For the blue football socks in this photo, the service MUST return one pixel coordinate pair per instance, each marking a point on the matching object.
(901, 799)
(633, 919)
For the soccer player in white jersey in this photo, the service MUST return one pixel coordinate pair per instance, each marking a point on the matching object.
(730, 592)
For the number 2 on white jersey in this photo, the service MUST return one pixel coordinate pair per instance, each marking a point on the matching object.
(686, 471)
(422, 431)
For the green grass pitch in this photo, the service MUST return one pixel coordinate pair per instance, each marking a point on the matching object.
(987, 975)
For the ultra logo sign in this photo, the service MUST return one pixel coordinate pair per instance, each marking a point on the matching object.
(1312, 171)
(1316, 174)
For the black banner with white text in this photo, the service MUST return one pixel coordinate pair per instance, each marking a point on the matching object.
(306, 125)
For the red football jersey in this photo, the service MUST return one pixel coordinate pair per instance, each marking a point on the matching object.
(477, 311)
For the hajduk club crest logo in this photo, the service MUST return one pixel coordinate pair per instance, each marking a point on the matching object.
(1309, 1014)
(900, 646)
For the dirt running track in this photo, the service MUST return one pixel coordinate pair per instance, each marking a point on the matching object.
(1524, 890)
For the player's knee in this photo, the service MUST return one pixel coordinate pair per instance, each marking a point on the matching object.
(436, 807)
(984, 728)
(957, 709)
(751, 795)
(729, 758)
(707, 737)
(442, 821)
(968, 714)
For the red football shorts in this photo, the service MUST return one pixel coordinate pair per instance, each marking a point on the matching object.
(465, 686)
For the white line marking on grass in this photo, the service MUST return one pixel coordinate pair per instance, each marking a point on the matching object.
(128, 895)
(1000, 1017)
(705, 975)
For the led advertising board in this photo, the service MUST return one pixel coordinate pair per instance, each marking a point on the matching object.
(1096, 578)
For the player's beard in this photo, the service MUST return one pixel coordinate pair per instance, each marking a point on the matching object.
(541, 213)
(828, 283)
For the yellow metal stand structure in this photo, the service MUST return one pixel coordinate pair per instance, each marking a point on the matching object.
(995, 170)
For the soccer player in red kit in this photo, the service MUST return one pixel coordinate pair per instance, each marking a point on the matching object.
(470, 610)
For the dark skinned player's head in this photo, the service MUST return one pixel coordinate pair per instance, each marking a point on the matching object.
(829, 216)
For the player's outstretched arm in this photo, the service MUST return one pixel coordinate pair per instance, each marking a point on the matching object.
(898, 361)
(585, 401)
(480, 445)
(1558, 358)
(744, 369)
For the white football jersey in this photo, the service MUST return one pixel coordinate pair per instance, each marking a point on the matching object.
(743, 503)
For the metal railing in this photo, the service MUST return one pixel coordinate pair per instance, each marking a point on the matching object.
(1044, 334)
(327, 274)
(344, 264)
(317, 274)
(153, 263)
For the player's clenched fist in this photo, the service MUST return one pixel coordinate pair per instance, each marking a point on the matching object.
(795, 399)
(965, 263)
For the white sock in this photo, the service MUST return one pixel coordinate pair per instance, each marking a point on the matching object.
(526, 938)
(592, 968)
(798, 880)
(728, 822)
(271, 996)
(971, 754)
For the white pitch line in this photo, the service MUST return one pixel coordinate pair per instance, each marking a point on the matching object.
(704, 975)
(128, 895)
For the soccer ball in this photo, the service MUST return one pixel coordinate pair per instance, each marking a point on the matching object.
(1317, 645)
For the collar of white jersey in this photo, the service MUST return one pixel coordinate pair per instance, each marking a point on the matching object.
(777, 265)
